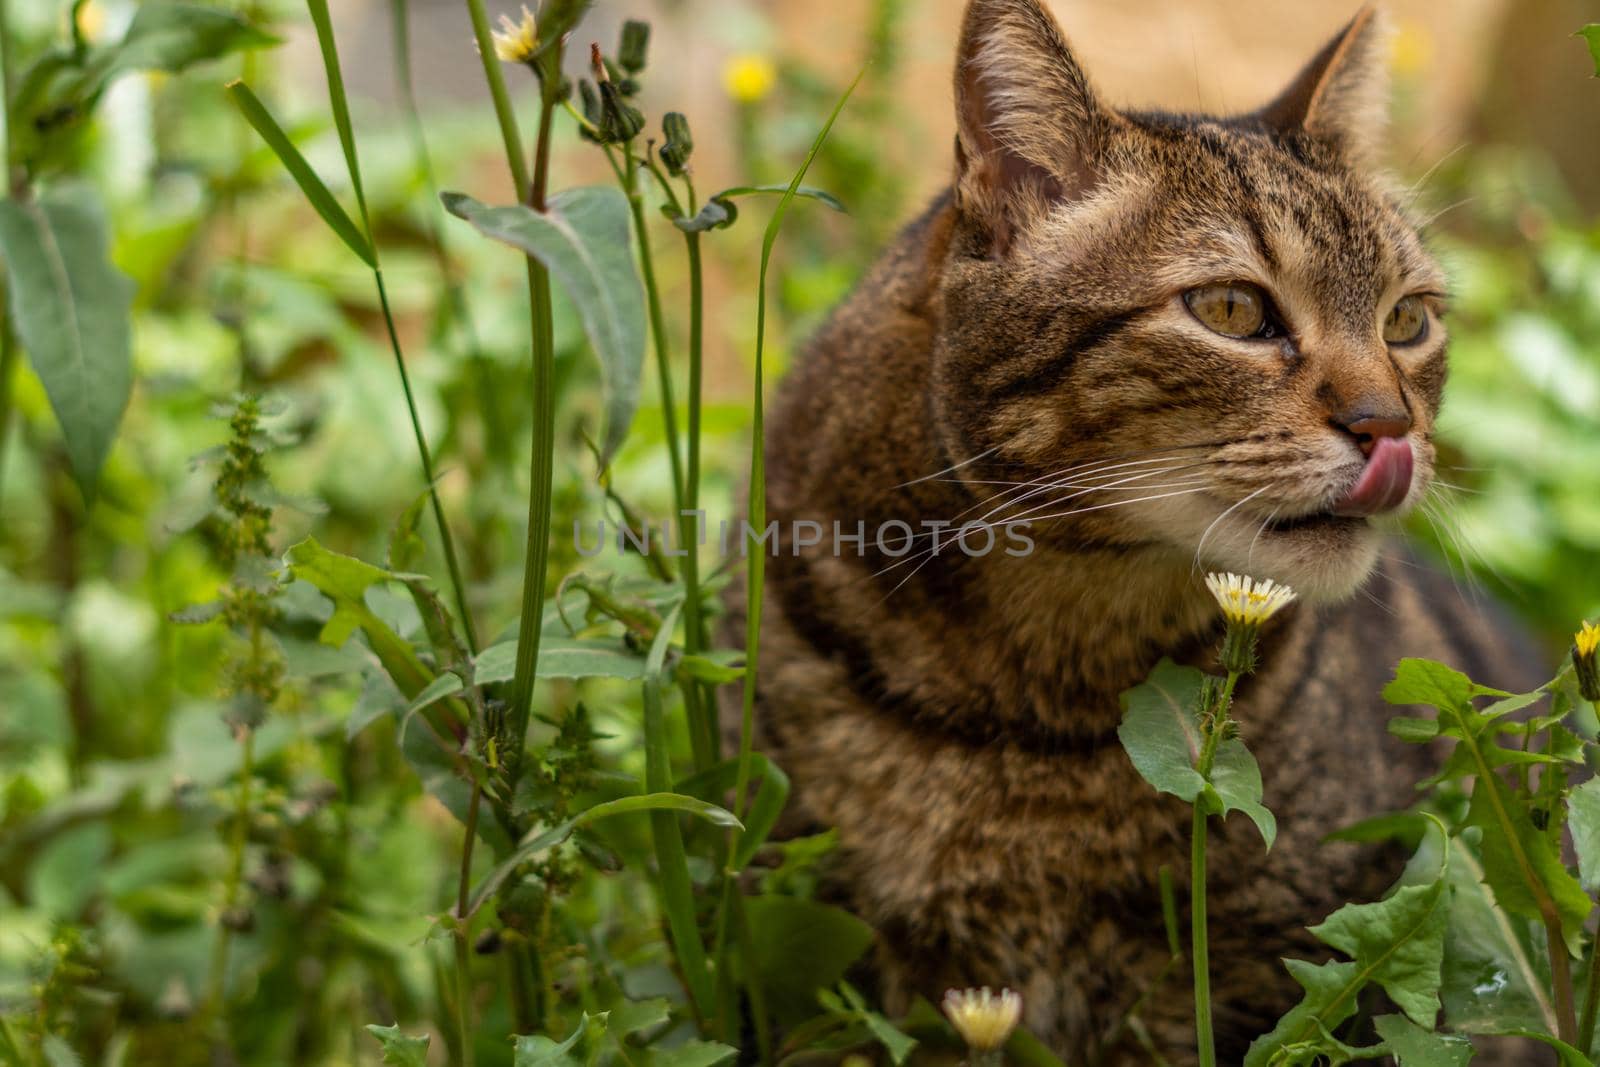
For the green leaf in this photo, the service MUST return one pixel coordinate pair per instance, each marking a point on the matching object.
(1591, 37)
(801, 947)
(345, 581)
(1414, 731)
(1396, 943)
(1494, 970)
(1522, 865)
(1399, 942)
(1422, 681)
(692, 1053)
(401, 1049)
(810, 192)
(316, 193)
(580, 1049)
(1160, 729)
(172, 37)
(535, 844)
(771, 796)
(1236, 781)
(1413, 1046)
(1583, 817)
(57, 1053)
(714, 214)
(563, 657)
(71, 307)
(894, 1041)
(631, 1016)
(584, 238)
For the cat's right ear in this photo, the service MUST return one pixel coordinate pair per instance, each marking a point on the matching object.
(1029, 129)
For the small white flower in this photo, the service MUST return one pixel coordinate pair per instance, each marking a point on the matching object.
(516, 42)
(1248, 601)
(983, 1019)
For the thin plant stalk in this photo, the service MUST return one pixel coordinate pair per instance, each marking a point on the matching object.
(217, 987)
(8, 361)
(463, 968)
(1199, 940)
(531, 190)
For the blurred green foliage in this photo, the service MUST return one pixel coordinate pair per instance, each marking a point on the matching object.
(120, 777)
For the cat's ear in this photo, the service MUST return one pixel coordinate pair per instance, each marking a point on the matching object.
(1341, 97)
(1028, 127)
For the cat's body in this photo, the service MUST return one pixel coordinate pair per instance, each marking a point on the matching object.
(1024, 345)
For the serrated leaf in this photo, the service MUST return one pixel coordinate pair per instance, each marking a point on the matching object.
(1412, 1046)
(585, 239)
(1396, 943)
(1160, 729)
(344, 580)
(1522, 865)
(401, 1049)
(71, 307)
(1399, 943)
(1422, 681)
(580, 1049)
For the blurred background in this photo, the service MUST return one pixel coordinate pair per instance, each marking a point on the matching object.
(110, 709)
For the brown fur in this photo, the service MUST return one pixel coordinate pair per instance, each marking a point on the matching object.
(954, 717)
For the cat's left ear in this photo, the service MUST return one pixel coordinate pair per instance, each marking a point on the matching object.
(1342, 95)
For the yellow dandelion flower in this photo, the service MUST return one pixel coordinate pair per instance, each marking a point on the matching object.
(1248, 601)
(1587, 640)
(1585, 643)
(748, 77)
(983, 1019)
(516, 42)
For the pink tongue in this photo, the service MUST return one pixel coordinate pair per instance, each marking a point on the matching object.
(1385, 482)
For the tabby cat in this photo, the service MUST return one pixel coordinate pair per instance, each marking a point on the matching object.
(1172, 344)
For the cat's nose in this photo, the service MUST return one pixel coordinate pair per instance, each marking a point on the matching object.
(1368, 426)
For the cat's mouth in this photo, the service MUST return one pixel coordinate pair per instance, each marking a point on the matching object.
(1382, 486)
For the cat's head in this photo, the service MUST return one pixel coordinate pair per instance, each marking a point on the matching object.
(1220, 335)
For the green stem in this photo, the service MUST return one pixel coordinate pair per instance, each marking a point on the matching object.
(446, 542)
(1199, 941)
(694, 619)
(629, 176)
(463, 968)
(230, 891)
(541, 464)
(504, 113)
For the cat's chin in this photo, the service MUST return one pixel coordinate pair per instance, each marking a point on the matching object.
(1324, 558)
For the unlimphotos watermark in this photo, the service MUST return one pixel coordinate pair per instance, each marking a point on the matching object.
(894, 538)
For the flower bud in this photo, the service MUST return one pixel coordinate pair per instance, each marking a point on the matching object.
(633, 46)
(1585, 653)
(679, 144)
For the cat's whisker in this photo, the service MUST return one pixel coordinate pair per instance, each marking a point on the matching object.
(1081, 471)
(953, 467)
(1199, 548)
(1052, 486)
(1250, 555)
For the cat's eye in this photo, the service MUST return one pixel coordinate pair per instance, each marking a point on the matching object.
(1233, 310)
(1407, 321)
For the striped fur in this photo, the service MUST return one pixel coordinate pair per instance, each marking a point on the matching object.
(954, 717)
